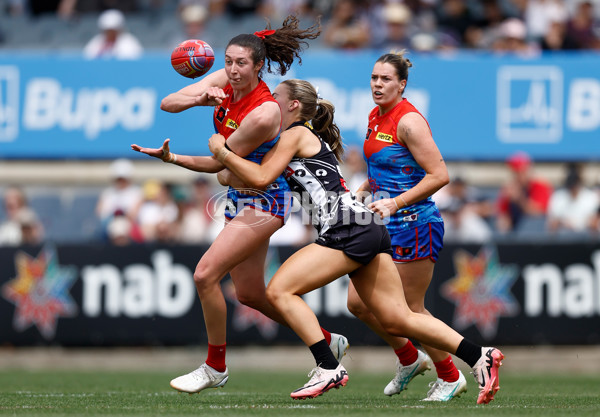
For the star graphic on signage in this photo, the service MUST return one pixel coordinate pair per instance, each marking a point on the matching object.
(40, 292)
(481, 291)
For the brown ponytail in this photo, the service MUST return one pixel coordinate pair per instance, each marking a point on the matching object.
(319, 112)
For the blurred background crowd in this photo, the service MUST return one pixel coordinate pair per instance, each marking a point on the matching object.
(128, 208)
(524, 26)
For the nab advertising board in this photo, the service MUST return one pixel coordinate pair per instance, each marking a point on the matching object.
(480, 107)
(145, 295)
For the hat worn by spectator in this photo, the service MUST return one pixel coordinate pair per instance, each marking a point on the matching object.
(513, 28)
(193, 14)
(519, 161)
(397, 13)
(111, 19)
(121, 168)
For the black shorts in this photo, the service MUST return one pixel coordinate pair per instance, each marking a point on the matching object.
(360, 243)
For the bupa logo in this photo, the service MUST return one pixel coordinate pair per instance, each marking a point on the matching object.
(9, 103)
(529, 104)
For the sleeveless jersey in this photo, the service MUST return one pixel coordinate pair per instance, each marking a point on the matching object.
(227, 118)
(318, 184)
(392, 169)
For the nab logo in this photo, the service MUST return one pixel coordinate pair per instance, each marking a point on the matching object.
(9, 103)
(529, 104)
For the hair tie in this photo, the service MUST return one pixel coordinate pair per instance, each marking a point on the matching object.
(264, 33)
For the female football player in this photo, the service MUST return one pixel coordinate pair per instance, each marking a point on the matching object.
(352, 240)
(248, 116)
(405, 168)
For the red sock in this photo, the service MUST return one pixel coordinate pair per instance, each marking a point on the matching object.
(407, 354)
(327, 335)
(446, 370)
(216, 357)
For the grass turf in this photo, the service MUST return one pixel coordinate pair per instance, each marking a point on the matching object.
(69, 393)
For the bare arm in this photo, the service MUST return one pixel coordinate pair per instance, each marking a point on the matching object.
(260, 125)
(202, 93)
(193, 163)
(414, 132)
(254, 175)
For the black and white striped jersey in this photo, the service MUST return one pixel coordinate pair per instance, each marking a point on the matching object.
(318, 185)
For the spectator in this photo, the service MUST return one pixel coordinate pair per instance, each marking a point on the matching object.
(523, 195)
(121, 198)
(119, 230)
(354, 168)
(557, 37)
(113, 42)
(197, 216)
(397, 18)
(21, 224)
(347, 28)
(512, 38)
(539, 15)
(463, 212)
(158, 214)
(31, 229)
(580, 28)
(455, 18)
(573, 208)
(193, 19)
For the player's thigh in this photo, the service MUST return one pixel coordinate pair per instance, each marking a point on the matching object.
(310, 268)
(249, 275)
(380, 288)
(237, 241)
(416, 278)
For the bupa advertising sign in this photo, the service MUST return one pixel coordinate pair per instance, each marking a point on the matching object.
(480, 107)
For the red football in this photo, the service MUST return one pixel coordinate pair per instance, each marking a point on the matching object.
(192, 58)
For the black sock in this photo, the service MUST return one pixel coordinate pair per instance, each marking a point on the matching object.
(468, 352)
(323, 355)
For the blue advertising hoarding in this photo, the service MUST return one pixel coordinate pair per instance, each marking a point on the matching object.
(480, 107)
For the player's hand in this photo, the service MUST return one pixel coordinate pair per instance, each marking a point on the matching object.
(385, 207)
(213, 96)
(216, 143)
(162, 153)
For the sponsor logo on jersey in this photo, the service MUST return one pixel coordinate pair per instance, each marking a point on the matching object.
(231, 124)
(410, 218)
(288, 172)
(384, 137)
(404, 251)
(221, 114)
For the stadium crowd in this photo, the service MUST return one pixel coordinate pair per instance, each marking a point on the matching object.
(523, 26)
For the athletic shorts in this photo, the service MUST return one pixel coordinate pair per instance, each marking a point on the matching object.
(275, 203)
(360, 243)
(424, 241)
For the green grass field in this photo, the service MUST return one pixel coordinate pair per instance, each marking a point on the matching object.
(62, 393)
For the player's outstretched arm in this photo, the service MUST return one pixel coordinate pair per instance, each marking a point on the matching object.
(193, 163)
(203, 93)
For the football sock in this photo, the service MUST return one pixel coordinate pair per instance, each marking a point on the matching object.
(468, 352)
(407, 354)
(327, 335)
(446, 370)
(216, 357)
(323, 355)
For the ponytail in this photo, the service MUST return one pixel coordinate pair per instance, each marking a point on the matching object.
(324, 125)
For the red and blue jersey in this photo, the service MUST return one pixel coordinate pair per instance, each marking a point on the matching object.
(227, 118)
(392, 169)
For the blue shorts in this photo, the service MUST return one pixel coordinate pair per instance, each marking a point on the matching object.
(422, 242)
(274, 203)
